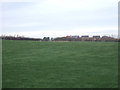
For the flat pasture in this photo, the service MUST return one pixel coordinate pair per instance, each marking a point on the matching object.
(34, 64)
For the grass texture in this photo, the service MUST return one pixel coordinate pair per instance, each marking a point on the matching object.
(32, 64)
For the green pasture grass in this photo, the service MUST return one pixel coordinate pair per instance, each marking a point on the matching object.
(34, 64)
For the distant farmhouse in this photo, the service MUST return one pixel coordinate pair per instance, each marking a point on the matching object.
(75, 36)
(85, 38)
(96, 38)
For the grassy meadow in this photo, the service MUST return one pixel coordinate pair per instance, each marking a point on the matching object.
(32, 64)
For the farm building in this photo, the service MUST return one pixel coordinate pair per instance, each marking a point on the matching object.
(85, 37)
(75, 36)
(107, 38)
(96, 38)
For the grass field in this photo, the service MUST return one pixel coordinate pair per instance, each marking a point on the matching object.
(30, 64)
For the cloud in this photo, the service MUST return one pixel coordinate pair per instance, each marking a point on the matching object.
(60, 17)
(21, 25)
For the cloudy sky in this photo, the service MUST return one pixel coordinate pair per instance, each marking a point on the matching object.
(56, 18)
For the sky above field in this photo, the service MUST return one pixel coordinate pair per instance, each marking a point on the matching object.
(56, 18)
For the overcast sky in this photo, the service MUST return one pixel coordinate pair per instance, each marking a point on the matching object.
(56, 18)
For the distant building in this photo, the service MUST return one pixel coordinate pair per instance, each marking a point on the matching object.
(104, 38)
(75, 36)
(96, 38)
(107, 38)
(85, 37)
(91, 39)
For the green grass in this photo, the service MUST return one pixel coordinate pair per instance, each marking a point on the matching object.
(30, 64)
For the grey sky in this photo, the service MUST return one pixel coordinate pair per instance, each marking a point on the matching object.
(56, 18)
